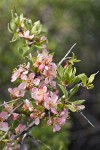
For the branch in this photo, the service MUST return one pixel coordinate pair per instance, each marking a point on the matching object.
(14, 110)
(31, 125)
(9, 102)
(66, 55)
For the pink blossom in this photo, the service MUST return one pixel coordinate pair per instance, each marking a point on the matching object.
(42, 61)
(4, 126)
(8, 107)
(3, 115)
(49, 122)
(15, 116)
(16, 92)
(26, 35)
(20, 128)
(58, 120)
(27, 105)
(51, 102)
(36, 116)
(20, 72)
(36, 81)
(63, 117)
(37, 121)
(56, 127)
(22, 86)
(39, 93)
(15, 75)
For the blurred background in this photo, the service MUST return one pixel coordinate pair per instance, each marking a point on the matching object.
(67, 22)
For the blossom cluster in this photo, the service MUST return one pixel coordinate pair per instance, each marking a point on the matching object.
(42, 88)
(40, 81)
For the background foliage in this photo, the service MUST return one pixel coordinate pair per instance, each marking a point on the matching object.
(67, 22)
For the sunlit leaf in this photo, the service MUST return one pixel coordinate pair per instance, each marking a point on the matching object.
(64, 90)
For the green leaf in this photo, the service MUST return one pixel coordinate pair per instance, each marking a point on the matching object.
(91, 78)
(60, 70)
(71, 107)
(37, 28)
(76, 79)
(74, 59)
(74, 90)
(83, 77)
(65, 92)
(66, 76)
(78, 102)
(69, 69)
(15, 36)
(9, 28)
(13, 25)
(90, 86)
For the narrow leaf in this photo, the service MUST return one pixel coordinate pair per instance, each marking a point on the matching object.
(72, 108)
(60, 70)
(65, 92)
(74, 90)
(83, 77)
(78, 102)
(91, 78)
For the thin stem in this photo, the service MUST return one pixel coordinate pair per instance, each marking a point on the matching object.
(9, 102)
(96, 72)
(14, 110)
(66, 55)
(86, 119)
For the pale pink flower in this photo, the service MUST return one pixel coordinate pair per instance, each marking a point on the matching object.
(26, 35)
(51, 102)
(58, 120)
(37, 121)
(28, 82)
(22, 86)
(63, 116)
(16, 92)
(4, 126)
(8, 107)
(15, 75)
(20, 72)
(49, 122)
(3, 115)
(36, 116)
(27, 105)
(78, 107)
(39, 93)
(15, 116)
(36, 81)
(56, 128)
(20, 128)
(42, 61)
